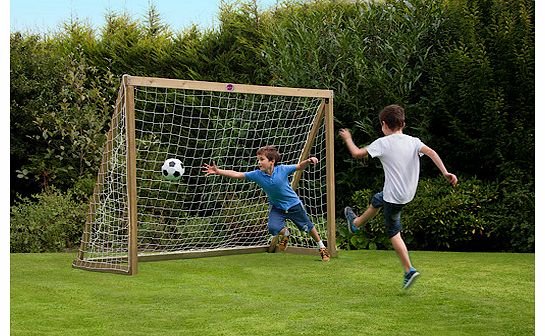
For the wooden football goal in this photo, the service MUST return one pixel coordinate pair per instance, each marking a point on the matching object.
(137, 215)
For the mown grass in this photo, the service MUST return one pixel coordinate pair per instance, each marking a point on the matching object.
(357, 293)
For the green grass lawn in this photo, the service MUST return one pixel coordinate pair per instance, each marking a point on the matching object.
(358, 293)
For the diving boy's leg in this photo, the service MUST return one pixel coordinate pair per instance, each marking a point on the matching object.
(324, 252)
(283, 239)
(280, 241)
(277, 228)
(315, 235)
(300, 218)
(274, 243)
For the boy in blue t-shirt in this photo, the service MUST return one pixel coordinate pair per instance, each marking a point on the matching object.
(284, 202)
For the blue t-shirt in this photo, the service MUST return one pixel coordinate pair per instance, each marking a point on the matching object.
(276, 186)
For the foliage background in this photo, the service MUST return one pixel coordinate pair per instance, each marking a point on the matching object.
(463, 69)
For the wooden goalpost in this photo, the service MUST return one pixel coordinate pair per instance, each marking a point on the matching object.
(135, 215)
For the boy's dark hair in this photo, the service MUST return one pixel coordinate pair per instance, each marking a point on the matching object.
(270, 152)
(393, 116)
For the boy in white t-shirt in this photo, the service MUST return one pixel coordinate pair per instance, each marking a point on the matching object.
(400, 157)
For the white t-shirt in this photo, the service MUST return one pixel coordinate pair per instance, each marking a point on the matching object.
(400, 158)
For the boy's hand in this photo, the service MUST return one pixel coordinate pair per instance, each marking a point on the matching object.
(451, 178)
(303, 164)
(213, 169)
(345, 133)
(210, 169)
(355, 151)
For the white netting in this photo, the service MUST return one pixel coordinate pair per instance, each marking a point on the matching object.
(200, 213)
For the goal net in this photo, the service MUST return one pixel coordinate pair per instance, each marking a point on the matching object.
(135, 214)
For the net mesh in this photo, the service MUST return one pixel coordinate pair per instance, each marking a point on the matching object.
(198, 212)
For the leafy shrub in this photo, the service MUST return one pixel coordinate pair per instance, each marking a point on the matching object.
(481, 90)
(46, 222)
(445, 218)
(473, 216)
(513, 216)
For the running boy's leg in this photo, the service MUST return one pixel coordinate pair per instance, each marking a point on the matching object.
(411, 273)
(354, 222)
(366, 216)
(401, 249)
(392, 223)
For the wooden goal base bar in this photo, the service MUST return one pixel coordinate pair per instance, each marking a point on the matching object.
(120, 264)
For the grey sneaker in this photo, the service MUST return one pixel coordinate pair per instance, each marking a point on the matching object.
(350, 216)
(410, 278)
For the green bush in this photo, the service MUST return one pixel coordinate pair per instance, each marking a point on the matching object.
(473, 216)
(480, 94)
(445, 218)
(47, 222)
(513, 216)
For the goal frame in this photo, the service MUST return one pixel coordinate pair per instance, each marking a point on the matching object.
(128, 84)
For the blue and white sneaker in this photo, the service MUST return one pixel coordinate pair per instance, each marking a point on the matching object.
(410, 278)
(350, 216)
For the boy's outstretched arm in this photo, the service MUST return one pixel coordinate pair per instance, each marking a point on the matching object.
(213, 169)
(303, 164)
(355, 151)
(439, 163)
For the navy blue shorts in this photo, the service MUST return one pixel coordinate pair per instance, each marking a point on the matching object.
(392, 214)
(297, 214)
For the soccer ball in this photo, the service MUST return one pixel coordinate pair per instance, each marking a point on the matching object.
(172, 169)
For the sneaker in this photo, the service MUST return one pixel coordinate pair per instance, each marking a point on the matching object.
(410, 278)
(274, 242)
(283, 243)
(279, 241)
(324, 253)
(350, 216)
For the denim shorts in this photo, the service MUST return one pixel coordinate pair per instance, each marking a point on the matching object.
(297, 214)
(392, 214)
